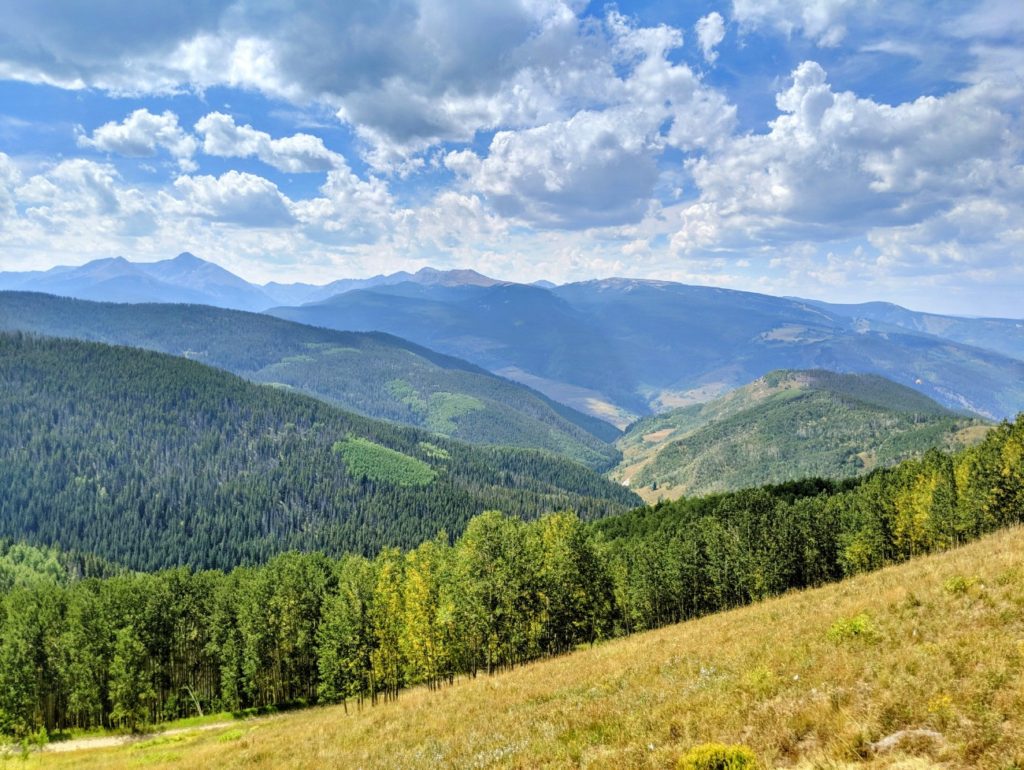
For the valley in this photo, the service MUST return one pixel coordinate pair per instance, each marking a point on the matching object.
(269, 514)
(614, 348)
(375, 374)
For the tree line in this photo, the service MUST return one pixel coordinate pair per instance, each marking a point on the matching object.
(135, 648)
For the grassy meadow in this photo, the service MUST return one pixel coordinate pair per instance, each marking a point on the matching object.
(814, 679)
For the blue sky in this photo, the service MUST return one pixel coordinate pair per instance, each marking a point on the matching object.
(839, 149)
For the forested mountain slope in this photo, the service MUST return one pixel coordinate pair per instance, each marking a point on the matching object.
(622, 347)
(936, 645)
(786, 425)
(150, 460)
(522, 332)
(376, 375)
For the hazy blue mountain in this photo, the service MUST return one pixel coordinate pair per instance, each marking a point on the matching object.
(1003, 335)
(372, 373)
(785, 426)
(186, 278)
(618, 348)
(303, 293)
(523, 332)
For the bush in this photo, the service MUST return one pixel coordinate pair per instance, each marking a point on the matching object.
(960, 585)
(718, 756)
(857, 627)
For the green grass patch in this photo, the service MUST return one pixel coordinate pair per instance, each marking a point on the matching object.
(162, 740)
(365, 459)
(434, 452)
(443, 409)
(958, 585)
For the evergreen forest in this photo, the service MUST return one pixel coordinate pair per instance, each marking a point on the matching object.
(152, 461)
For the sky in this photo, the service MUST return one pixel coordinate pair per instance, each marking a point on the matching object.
(846, 150)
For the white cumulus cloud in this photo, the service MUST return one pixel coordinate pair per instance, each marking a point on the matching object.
(300, 153)
(834, 166)
(141, 135)
(9, 180)
(710, 32)
(234, 197)
(599, 167)
(823, 21)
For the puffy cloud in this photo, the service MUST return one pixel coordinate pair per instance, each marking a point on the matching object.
(406, 75)
(599, 167)
(107, 45)
(710, 32)
(974, 234)
(72, 188)
(833, 165)
(293, 154)
(234, 197)
(821, 20)
(81, 196)
(348, 210)
(9, 180)
(141, 134)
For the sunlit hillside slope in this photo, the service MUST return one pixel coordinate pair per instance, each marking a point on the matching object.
(915, 666)
(787, 425)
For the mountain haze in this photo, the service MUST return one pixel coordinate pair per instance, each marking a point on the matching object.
(622, 348)
(615, 348)
(186, 278)
(1002, 335)
(189, 279)
(303, 293)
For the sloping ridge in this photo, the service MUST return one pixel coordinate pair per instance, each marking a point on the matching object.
(785, 426)
(151, 460)
(373, 373)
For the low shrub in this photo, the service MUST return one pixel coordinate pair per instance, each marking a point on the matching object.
(718, 756)
(857, 627)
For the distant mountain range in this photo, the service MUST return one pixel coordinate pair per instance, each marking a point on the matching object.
(622, 348)
(785, 426)
(189, 279)
(186, 278)
(617, 349)
(1002, 335)
(302, 293)
(374, 374)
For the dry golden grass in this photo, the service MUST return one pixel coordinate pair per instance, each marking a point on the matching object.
(808, 680)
